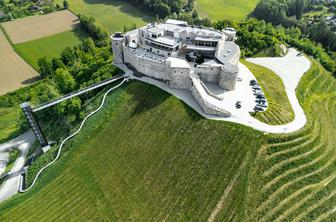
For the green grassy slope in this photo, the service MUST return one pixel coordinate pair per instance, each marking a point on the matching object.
(279, 111)
(146, 156)
(50, 46)
(294, 175)
(226, 9)
(112, 14)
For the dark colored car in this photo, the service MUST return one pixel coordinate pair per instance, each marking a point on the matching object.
(192, 57)
(258, 109)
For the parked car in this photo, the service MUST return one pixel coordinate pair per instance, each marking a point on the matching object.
(260, 96)
(258, 109)
(253, 82)
(261, 101)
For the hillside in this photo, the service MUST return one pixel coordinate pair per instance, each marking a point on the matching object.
(148, 156)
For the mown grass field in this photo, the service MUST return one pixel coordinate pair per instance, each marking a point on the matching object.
(146, 156)
(50, 46)
(294, 178)
(35, 27)
(279, 109)
(226, 9)
(112, 14)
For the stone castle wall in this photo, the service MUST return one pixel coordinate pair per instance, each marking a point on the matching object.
(209, 73)
(155, 69)
(179, 78)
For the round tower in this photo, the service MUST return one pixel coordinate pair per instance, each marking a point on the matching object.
(228, 76)
(117, 41)
(230, 34)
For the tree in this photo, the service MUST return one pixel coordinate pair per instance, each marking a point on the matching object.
(66, 4)
(45, 67)
(68, 56)
(195, 14)
(88, 46)
(65, 80)
(57, 63)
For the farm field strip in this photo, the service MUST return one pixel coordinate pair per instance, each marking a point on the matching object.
(35, 27)
(14, 71)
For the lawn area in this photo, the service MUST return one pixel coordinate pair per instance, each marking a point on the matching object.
(226, 9)
(50, 46)
(112, 14)
(145, 156)
(279, 109)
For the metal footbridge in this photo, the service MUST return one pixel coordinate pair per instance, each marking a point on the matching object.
(29, 111)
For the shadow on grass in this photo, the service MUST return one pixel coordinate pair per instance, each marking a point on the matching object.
(193, 115)
(31, 80)
(79, 32)
(146, 96)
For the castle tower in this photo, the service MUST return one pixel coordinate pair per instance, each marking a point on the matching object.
(228, 76)
(117, 41)
(230, 34)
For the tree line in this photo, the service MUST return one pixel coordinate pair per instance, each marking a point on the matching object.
(288, 13)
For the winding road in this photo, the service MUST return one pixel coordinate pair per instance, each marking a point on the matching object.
(289, 68)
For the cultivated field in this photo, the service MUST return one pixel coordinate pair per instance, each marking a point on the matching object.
(34, 27)
(14, 71)
(112, 14)
(226, 9)
(146, 156)
(279, 109)
(50, 46)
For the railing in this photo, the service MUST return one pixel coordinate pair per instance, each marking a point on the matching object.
(77, 93)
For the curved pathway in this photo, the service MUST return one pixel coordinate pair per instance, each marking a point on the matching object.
(289, 68)
(22, 190)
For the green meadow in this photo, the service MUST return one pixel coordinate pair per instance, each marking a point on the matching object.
(50, 46)
(226, 9)
(111, 14)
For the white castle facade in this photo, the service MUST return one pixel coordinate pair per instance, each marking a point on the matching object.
(182, 56)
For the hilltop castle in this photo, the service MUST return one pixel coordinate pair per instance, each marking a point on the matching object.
(183, 56)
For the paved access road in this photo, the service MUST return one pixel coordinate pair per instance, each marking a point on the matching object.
(289, 68)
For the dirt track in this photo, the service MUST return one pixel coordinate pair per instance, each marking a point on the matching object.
(34, 27)
(14, 71)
